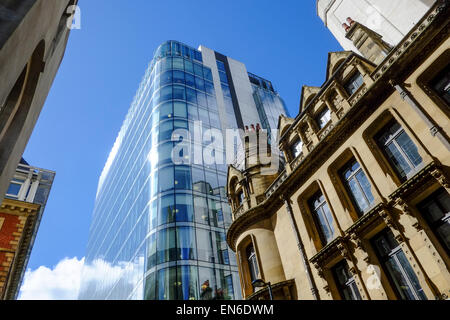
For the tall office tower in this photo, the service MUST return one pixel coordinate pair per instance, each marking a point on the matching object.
(158, 228)
(33, 39)
(20, 216)
(391, 19)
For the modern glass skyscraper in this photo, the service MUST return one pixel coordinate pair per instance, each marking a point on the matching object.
(158, 229)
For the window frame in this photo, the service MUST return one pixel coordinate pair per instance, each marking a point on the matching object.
(349, 284)
(314, 210)
(352, 81)
(394, 254)
(434, 225)
(252, 262)
(348, 166)
(383, 146)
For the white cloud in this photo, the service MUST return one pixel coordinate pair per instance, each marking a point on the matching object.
(100, 279)
(60, 283)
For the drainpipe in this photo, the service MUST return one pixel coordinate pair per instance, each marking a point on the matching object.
(301, 248)
(435, 130)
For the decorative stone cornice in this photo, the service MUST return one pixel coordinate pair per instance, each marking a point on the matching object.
(416, 181)
(337, 246)
(408, 43)
(16, 207)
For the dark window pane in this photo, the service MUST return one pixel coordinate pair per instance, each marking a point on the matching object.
(436, 210)
(179, 109)
(190, 80)
(198, 70)
(187, 276)
(178, 77)
(150, 287)
(223, 77)
(199, 83)
(166, 64)
(441, 84)
(166, 78)
(165, 131)
(323, 217)
(179, 93)
(207, 74)
(409, 148)
(184, 208)
(209, 88)
(183, 177)
(191, 95)
(166, 178)
(397, 267)
(188, 67)
(166, 208)
(201, 210)
(166, 93)
(185, 243)
(178, 63)
(167, 284)
(354, 83)
(221, 66)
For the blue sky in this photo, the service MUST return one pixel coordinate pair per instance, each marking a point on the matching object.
(283, 41)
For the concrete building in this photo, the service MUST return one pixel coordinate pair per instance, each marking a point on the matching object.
(20, 216)
(33, 38)
(361, 210)
(158, 226)
(391, 19)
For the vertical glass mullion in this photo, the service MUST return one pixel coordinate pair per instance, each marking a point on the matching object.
(402, 152)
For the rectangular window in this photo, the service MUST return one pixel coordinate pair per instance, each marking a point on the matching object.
(14, 188)
(167, 248)
(220, 66)
(323, 118)
(358, 185)
(345, 282)
(400, 150)
(252, 263)
(223, 77)
(355, 82)
(397, 267)
(436, 210)
(297, 148)
(322, 215)
(441, 85)
(183, 178)
(240, 197)
(166, 209)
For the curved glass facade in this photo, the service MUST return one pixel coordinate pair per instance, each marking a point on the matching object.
(159, 226)
(158, 229)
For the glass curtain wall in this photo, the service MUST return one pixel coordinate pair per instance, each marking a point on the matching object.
(158, 229)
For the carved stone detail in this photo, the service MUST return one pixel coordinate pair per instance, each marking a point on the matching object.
(441, 178)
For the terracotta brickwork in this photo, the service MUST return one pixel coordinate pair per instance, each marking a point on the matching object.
(16, 220)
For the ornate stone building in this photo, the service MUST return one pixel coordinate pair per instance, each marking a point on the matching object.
(33, 39)
(20, 215)
(361, 209)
